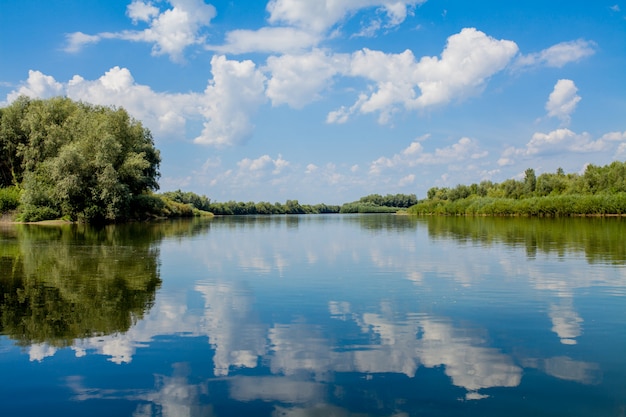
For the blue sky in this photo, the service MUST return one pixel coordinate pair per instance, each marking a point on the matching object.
(331, 100)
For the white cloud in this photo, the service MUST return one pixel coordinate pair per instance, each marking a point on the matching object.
(311, 168)
(77, 40)
(261, 167)
(267, 40)
(469, 59)
(561, 141)
(614, 136)
(298, 79)
(140, 11)
(164, 114)
(319, 16)
(558, 55)
(170, 31)
(563, 100)
(232, 96)
(37, 85)
(250, 176)
(463, 150)
(297, 25)
(406, 180)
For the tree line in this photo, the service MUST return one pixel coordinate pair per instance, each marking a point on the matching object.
(599, 190)
(373, 203)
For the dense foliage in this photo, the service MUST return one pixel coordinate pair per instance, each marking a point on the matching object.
(75, 160)
(200, 202)
(263, 207)
(600, 190)
(376, 203)
(373, 203)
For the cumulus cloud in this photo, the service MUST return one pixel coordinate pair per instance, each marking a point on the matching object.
(298, 25)
(319, 16)
(164, 114)
(298, 79)
(558, 55)
(561, 141)
(37, 85)
(563, 100)
(262, 165)
(469, 59)
(226, 106)
(465, 149)
(169, 31)
(232, 96)
(251, 173)
(140, 11)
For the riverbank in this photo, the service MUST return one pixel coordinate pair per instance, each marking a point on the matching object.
(574, 205)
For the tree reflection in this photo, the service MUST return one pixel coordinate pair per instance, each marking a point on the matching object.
(600, 239)
(60, 283)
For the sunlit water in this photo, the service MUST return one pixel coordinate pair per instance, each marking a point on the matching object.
(339, 315)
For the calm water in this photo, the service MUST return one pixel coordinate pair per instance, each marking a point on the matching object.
(341, 315)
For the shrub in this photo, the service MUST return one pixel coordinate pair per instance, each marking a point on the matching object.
(31, 213)
(9, 199)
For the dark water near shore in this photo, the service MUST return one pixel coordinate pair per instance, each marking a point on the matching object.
(339, 315)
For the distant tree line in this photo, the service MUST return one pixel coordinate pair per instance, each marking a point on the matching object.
(600, 190)
(373, 203)
(264, 207)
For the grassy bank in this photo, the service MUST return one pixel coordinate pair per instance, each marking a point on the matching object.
(560, 205)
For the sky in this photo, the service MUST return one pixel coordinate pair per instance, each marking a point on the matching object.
(327, 101)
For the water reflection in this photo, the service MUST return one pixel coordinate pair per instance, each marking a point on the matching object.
(69, 282)
(600, 239)
(64, 283)
(307, 316)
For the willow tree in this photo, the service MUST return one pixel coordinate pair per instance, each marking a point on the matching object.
(76, 160)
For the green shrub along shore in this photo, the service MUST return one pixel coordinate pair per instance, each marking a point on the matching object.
(599, 191)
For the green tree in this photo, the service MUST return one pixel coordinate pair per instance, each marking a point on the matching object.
(530, 181)
(76, 160)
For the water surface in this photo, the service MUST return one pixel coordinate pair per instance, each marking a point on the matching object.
(338, 315)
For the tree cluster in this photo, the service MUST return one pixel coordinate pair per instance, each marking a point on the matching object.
(200, 202)
(74, 160)
(599, 190)
(264, 207)
(376, 203)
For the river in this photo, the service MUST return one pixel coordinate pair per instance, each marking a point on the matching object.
(315, 315)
